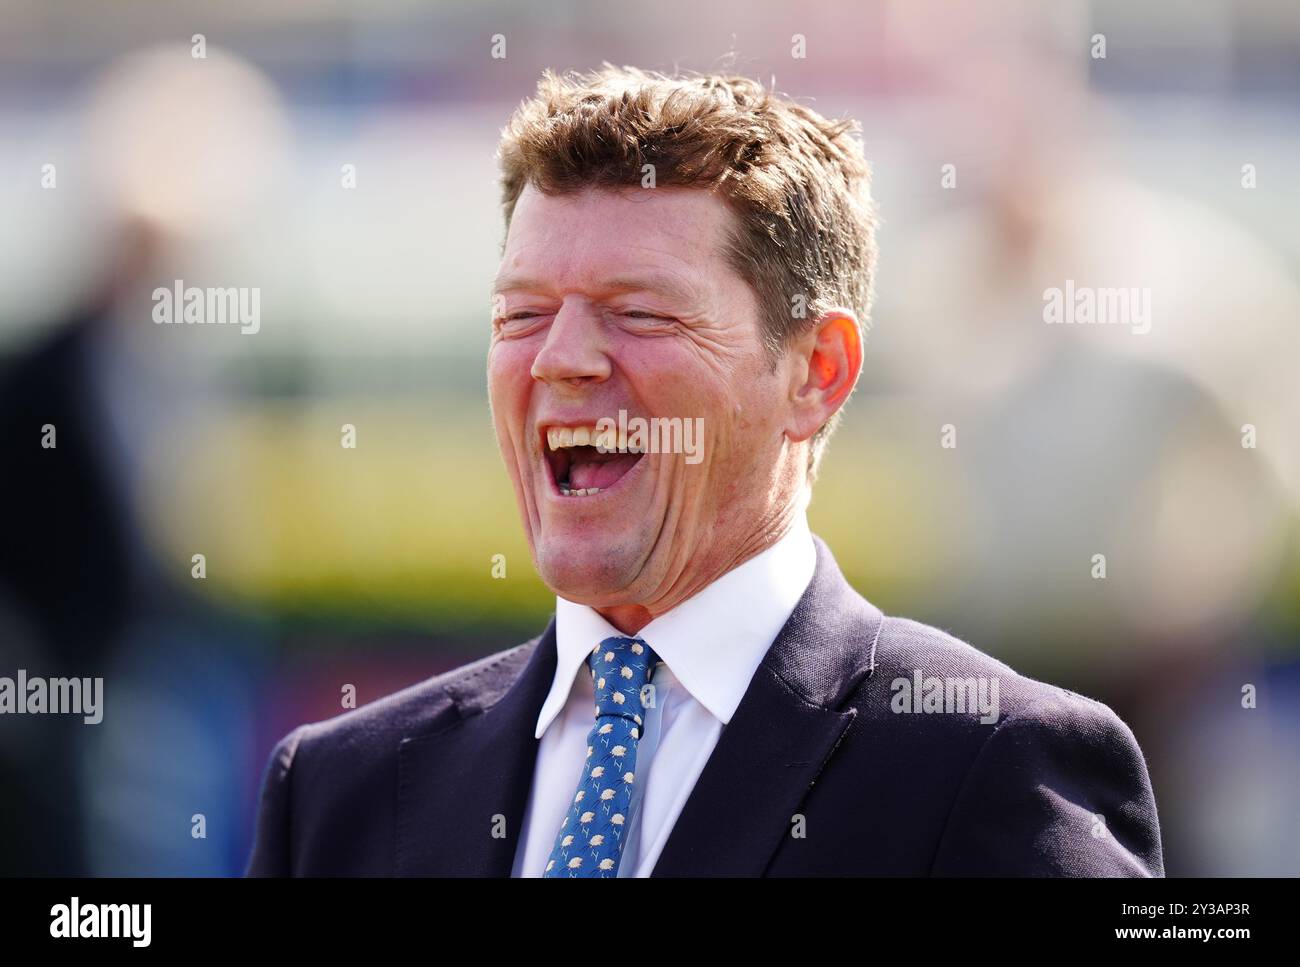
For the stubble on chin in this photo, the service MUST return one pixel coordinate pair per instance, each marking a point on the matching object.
(590, 574)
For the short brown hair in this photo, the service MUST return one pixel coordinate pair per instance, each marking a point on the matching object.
(799, 183)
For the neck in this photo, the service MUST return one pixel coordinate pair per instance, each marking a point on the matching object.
(631, 618)
(627, 618)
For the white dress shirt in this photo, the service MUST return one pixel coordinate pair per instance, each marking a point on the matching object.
(711, 646)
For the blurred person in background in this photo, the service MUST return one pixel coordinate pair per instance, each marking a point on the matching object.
(176, 147)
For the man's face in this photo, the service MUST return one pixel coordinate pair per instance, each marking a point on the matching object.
(622, 300)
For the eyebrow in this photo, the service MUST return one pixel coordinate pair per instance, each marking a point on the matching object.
(659, 283)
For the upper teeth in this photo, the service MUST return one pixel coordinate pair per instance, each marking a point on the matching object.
(559, 437)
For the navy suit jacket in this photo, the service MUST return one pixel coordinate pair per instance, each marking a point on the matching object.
(816, 774)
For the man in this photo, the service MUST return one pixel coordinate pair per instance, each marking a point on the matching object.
(711, 697)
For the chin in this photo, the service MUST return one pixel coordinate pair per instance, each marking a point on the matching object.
(591, 574)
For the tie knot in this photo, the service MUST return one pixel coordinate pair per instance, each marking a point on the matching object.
(621, 668)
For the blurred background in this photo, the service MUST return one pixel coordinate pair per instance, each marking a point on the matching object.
(338, 158)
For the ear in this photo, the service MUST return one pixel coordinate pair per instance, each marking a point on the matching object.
(828, 359)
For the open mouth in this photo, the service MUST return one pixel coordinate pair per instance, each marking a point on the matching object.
(585, 462)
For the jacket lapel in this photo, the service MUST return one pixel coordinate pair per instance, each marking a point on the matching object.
(456, 778)
(783, 733)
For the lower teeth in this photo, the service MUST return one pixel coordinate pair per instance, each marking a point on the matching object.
(588, 492)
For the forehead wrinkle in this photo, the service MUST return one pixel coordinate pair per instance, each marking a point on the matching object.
(584, 254)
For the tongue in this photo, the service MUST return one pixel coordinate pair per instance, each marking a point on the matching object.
(600, 470)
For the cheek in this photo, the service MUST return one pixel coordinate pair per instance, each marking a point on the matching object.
(673, 381)
(508, 400)
(759, 403)
(738, 419)
(746, 397)
(509, 376)
(753, 421)
(739, 401)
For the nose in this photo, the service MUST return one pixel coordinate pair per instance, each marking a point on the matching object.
(574, 352)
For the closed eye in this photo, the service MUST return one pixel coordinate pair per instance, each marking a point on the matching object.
(641, 314)
(520, 323)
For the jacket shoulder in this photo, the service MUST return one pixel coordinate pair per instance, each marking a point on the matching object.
(419, 707)
(322, 775)
(1053, 782)
(907, 649)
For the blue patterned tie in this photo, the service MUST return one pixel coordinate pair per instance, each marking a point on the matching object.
(590, 840)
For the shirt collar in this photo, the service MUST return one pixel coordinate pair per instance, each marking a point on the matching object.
(714, 641)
